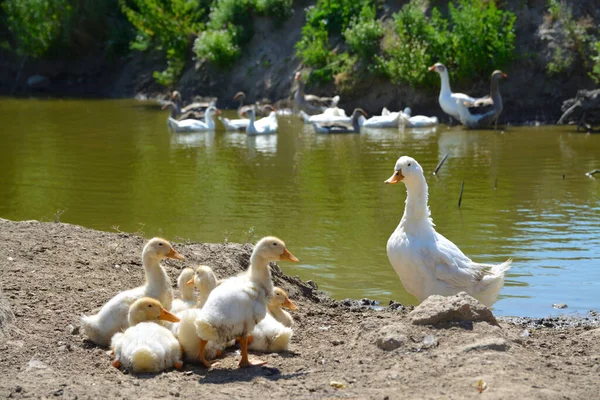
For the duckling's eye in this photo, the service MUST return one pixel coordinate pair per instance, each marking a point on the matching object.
(409, 164)
(160, 243)
(149, 305)
(274, 244)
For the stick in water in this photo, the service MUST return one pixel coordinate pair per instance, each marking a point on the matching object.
(440, 164)
(462, 186)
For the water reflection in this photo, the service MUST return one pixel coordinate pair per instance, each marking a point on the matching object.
(323, 194)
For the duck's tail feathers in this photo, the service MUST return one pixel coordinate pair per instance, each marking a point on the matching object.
(206, 331)
(144, 360)
(281, 342)
(89, 325)
(500, 269)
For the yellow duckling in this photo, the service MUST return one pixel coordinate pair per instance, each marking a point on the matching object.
(239, 303)
(205, 281)
(188, 298)
(112, 318)
(274, 333)
(147, 346)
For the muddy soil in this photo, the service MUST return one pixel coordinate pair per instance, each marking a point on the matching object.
(51, 273)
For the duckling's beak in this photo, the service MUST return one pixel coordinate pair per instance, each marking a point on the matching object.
(190, 282)
(289, 304)
(397, 177)
(288, 256)
(174, 254)
(167, 316)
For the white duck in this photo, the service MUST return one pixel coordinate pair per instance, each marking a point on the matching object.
(321, 118)
(428, 263)
(263, 126)
(417, 121)
(448, 99)
(239, 303)
(191, 125)
(147, 346)
(387, 119)
(99, 328)
(242, 124)
(274, 333)
(188, 298)
(205, 281)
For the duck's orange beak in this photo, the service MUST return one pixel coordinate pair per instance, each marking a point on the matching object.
(289, 304)
(174, 254)
(504, 75)
(397, 177)
(190, 282)
(432, 68)
(288, 256)
(167, 316)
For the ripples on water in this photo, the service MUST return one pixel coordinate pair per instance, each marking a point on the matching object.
(113, 163)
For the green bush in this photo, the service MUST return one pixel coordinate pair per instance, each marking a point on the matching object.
(576, 40)
(482, 37)
(233, 15)
(36, 25)
(328, 18)
(280, 10)
(475, 39)
(218, 47)
(595, 74)
(363, 33)
(169, 24)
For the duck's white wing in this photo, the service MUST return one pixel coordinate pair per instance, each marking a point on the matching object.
(451, 265)
(462, 96)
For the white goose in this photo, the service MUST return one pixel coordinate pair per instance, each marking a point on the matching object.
(448, 99)
(239, 303)
(417, 121)
(263, 126)
(191, 125)
(428, 263)
(323, 117)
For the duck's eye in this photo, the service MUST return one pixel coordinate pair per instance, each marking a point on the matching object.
(160, 244)
(149, 305)
(409, 164)
(274, 244)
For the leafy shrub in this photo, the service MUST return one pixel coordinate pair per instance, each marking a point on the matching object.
(169, 24)
(233, 15)
(217, 46)
(595, 74)
(475, 39)
(281, 10)
(482, 37)
(36, 25)
(364, 32)
(326, 19)
(576, 40)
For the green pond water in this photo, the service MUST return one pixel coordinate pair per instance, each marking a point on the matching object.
(114, 164)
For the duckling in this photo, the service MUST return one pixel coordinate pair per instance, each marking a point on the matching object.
(99, 328)
(146, 346)
(205, 281)
(274, 333)
(188, 298)
(279, 300)
(239, 303)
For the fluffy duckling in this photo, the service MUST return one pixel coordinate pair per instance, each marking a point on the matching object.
(146, 346)
(280, 300)
(188, 298)
(239, 303)
(428, 263)
(274, 333)
(112, 318)
(205, 281)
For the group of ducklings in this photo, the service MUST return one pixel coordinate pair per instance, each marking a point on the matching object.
(150, 331)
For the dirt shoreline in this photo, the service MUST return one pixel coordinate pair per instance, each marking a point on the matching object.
(51, 273)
